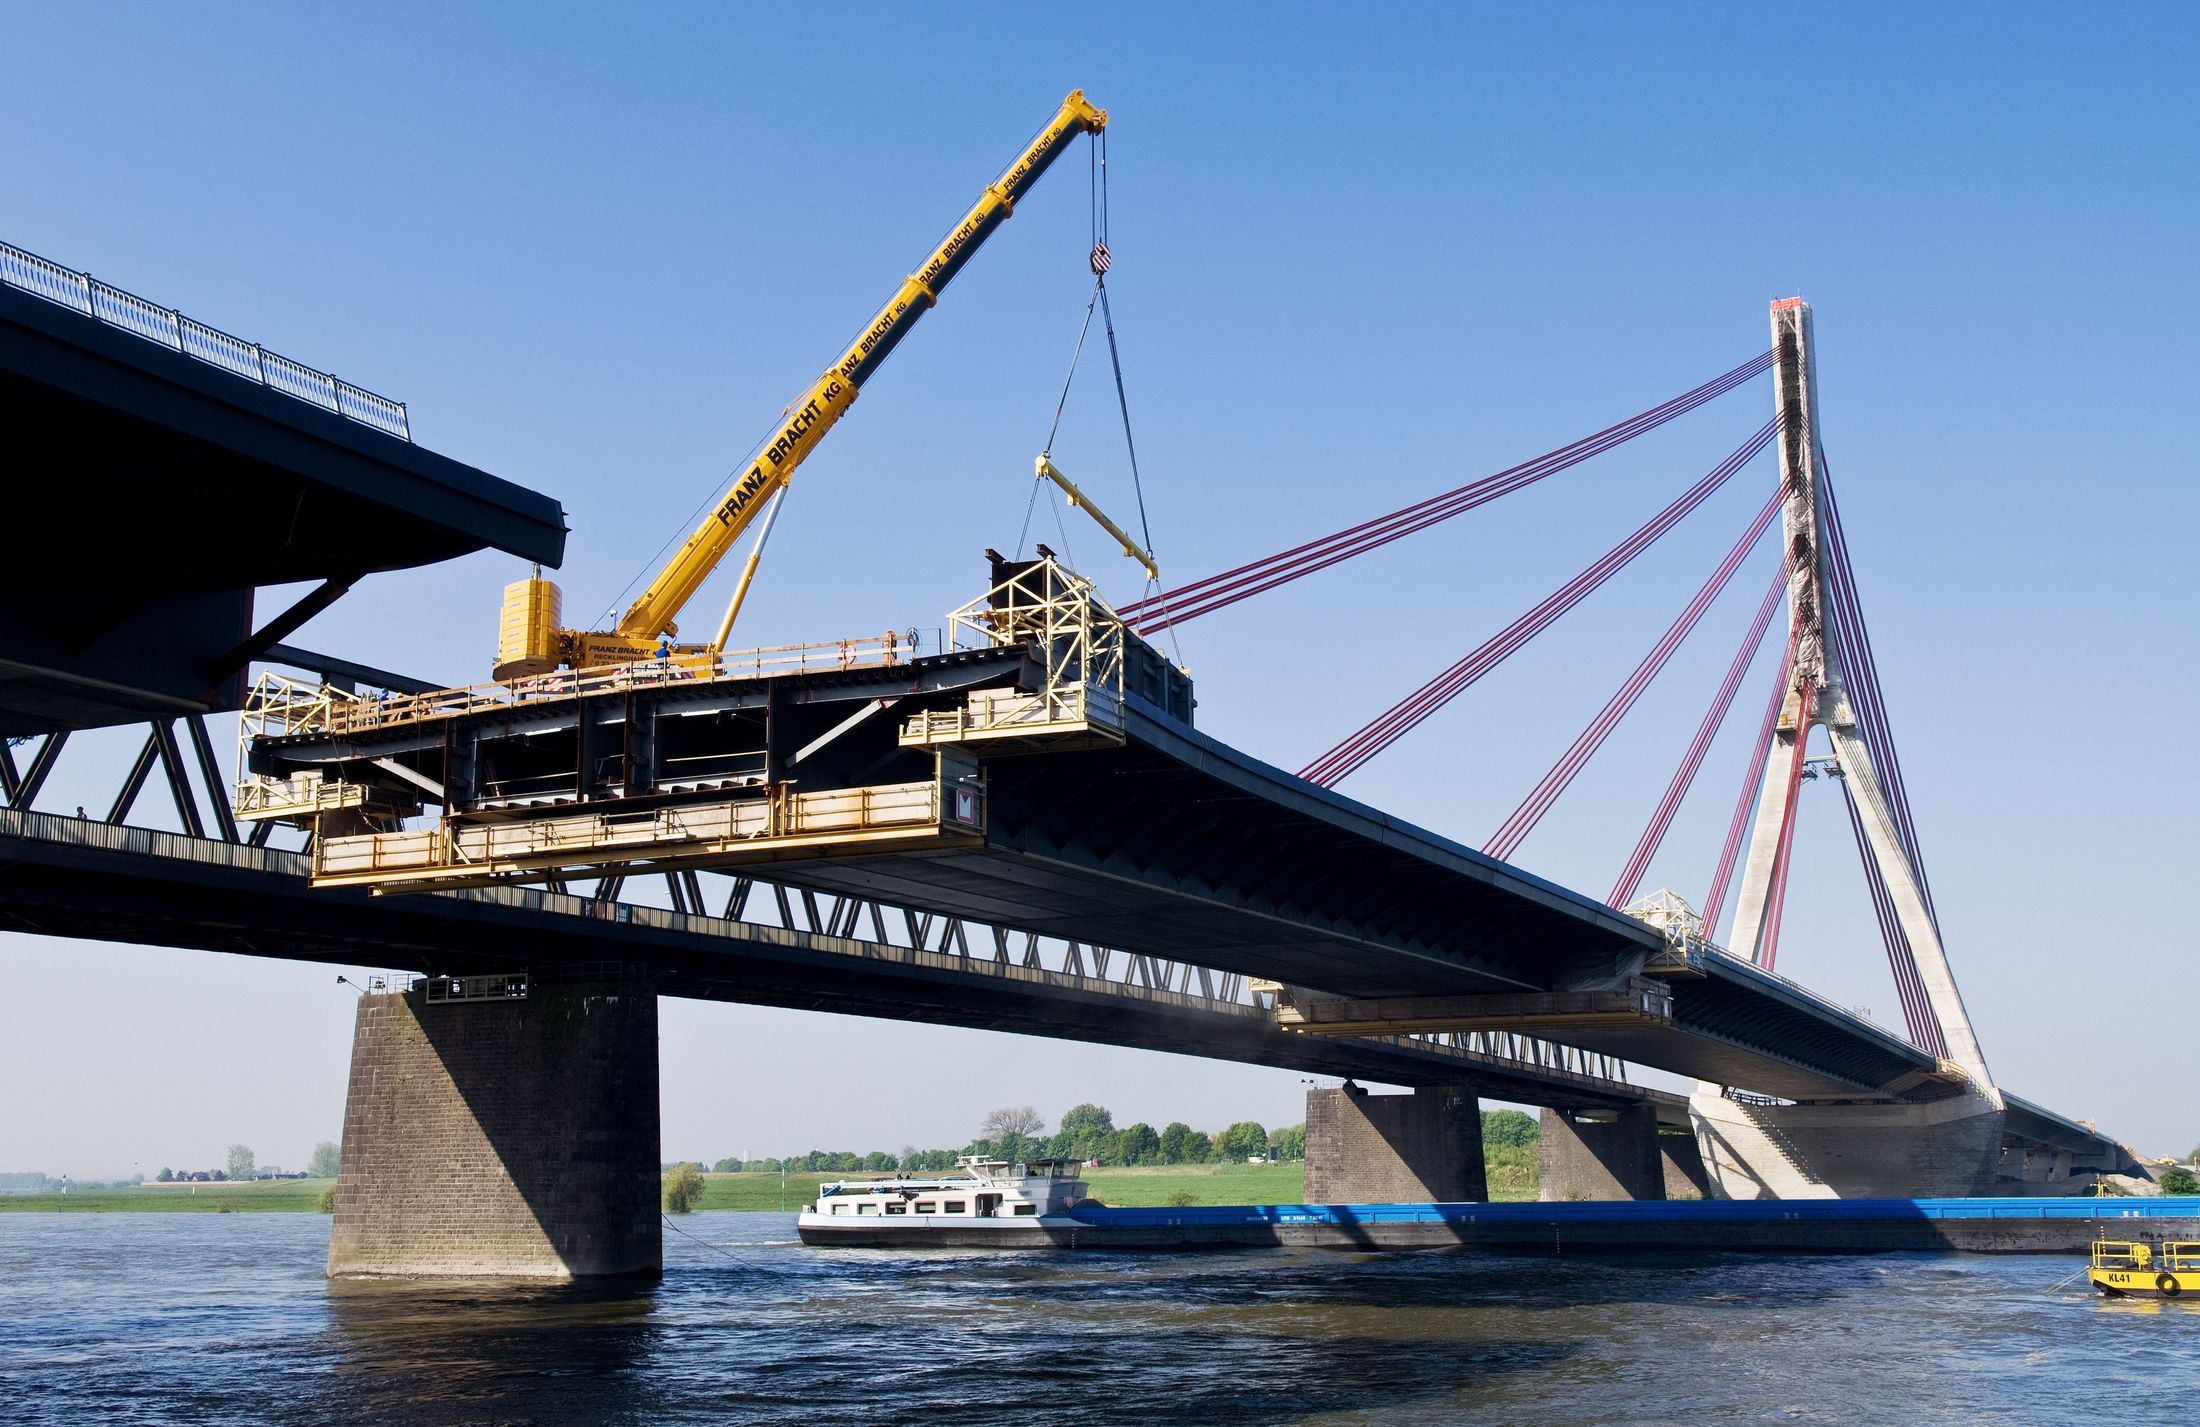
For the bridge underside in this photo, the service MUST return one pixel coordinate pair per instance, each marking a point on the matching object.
(1137, 834)
(67, 877)
(154, 493)
(63, 877)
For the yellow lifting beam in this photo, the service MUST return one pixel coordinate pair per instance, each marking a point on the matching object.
(1079, 500)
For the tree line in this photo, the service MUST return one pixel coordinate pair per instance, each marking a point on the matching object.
(1086, 1132)
(1089, 1132)
(239, 1163)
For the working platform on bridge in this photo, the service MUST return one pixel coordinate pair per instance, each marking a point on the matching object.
(164, 471)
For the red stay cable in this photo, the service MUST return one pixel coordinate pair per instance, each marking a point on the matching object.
(1917, 1012)
(1878, 729)
(1204, 596)
(1676, 791)
(1508, 837)
(1402, 717)
(1715, 900)
(1387, 728)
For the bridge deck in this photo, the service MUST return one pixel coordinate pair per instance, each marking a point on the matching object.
(1168, 843)
(64, 876)
(192, 485)
(1179, 845)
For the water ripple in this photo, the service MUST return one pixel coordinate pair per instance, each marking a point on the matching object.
(206, 1319)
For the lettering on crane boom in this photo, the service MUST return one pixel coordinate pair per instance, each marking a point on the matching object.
(754, 480)
(954, 244)
(803, 420)
(1039, 150)
(1011, 182)
(752, 483)
(887, 321)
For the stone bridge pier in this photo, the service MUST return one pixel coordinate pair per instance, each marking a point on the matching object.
(1420, 1148)
(1628, 1153)
(500, 1135)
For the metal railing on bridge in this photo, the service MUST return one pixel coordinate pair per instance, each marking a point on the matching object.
(280, 704)
(84, 293)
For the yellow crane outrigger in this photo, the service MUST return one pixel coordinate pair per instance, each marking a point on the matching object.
(530, 640)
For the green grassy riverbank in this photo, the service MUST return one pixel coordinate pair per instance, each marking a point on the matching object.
(1512, 1174)
(265, 1196)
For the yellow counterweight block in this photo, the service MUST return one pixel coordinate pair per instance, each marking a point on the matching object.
(530, 632)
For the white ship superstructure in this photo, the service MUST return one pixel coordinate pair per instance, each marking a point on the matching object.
(981, 1200)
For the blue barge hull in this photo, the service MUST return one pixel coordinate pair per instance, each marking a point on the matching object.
(2024, 1226)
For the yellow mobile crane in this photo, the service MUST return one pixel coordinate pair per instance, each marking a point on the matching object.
(530, 640)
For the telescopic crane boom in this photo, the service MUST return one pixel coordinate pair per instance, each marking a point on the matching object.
(530, 640)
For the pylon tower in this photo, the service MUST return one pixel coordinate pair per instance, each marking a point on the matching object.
(1817, 697)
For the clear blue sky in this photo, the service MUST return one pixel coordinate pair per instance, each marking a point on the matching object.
(1358, 261)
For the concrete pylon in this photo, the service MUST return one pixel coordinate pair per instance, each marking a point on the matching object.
(1817, 697)
(1607, 1154)
(1887, 1148)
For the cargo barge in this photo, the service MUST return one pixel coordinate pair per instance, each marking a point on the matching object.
(1998, 1226)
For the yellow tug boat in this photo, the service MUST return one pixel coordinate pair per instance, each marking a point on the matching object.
(2140, 1269)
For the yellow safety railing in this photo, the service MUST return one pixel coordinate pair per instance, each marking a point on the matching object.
(293, 706)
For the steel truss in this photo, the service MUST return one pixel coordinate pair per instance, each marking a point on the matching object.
(202, 808)
(742, 898)
(179, 754)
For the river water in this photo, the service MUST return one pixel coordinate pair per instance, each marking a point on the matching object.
(205, 1318)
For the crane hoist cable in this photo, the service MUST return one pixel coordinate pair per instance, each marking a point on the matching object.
(1032, 504)
(1101, 260)
(1100, 263)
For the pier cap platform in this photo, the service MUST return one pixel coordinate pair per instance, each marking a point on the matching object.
(165, 471)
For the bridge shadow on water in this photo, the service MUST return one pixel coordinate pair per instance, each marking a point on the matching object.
(745, 1329)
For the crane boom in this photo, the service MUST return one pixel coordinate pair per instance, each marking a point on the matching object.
(532, 644)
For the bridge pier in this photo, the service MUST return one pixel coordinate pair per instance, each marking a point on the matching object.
(1616, 1154)
(1682, 1158)
(503, 1138)
(2035, 1169)
(1422, 1148)
(1947, 1148)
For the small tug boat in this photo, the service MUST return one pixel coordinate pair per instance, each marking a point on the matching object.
(981, 1203)
(2120, 1268)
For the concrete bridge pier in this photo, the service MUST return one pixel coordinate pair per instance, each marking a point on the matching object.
(1420, 1148)
(1617, 1154)
(502, 1136)
(2030, 1168)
